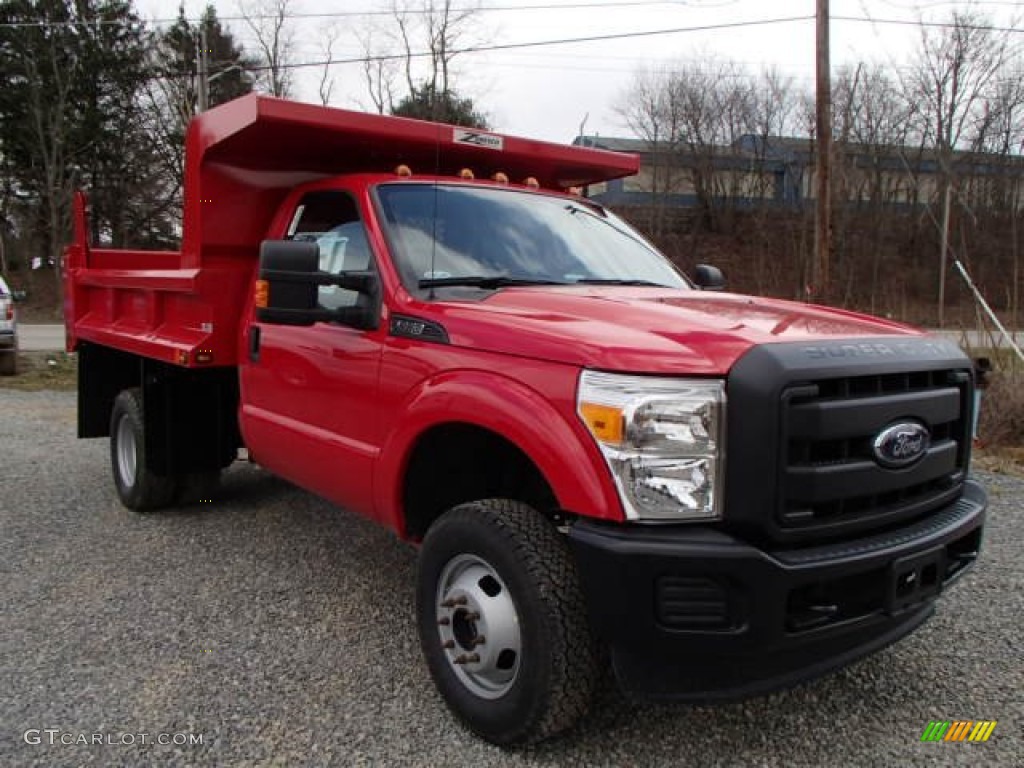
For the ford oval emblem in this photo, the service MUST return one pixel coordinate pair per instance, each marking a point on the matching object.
(900, 445)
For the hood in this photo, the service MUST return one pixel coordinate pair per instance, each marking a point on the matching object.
(645, 330)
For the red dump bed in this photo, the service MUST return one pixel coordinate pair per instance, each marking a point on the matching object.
(242, 159)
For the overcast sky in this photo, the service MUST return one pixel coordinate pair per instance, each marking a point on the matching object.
(547, 92)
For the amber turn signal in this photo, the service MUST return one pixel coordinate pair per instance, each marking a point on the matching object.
(262, 294)
(604, 421)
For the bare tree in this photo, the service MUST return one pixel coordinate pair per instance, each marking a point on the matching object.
(380, 69)
(951, 127)
(874, 174)
(651, 110)
(774, 112)
(434, 30)
(999, 135)
(274, 36)
(717, 110)
(419, 45)
(956, 68)
(325, 49)
(707, 125)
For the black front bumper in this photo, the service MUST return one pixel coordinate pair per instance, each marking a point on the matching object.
(694, 613)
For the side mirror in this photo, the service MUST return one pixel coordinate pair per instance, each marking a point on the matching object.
(18, 295)
(708, 278)
(290, 270)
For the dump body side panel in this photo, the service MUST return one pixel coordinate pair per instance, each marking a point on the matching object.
(154, 308)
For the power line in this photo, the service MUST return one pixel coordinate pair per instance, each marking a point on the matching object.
(627, 36)
(576, 40)
(544, 6)
(931, 24)
(368, 14)
(532, 44)
(544, 43)
(915, 5)
(474, 9)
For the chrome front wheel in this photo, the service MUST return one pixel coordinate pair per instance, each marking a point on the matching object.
(478, 626)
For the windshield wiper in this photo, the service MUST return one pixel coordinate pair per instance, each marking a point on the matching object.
(485, 281)
(613, 281)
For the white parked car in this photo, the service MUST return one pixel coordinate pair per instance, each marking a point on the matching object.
(8, 332)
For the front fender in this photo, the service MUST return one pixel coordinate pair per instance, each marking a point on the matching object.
(556, 442)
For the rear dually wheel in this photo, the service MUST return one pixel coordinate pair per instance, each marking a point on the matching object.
(138, 487)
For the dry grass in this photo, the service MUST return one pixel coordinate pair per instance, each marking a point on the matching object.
(43, 370)
(1001, 425)
(1000, 460)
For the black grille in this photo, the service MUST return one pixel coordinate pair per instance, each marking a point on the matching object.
(830, 482)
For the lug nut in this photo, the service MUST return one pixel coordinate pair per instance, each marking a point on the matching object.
(467, 658)
(444, 621)
(451, 602)
(479, 640)
(448, 644)
(471, 615)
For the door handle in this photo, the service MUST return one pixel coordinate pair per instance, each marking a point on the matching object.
(254, 343)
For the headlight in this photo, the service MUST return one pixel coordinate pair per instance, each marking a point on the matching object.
(663, 439)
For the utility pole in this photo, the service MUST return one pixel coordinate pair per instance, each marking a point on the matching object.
(823, 123)
(203, 67)
(944, 248)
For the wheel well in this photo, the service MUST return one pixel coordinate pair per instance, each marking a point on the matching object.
(455, 463)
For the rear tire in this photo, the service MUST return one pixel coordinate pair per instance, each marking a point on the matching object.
(8, 363)
(137, 486)
(502, 622)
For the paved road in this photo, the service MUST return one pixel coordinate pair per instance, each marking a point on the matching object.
(280, 630)
(40, 338)
(50, 338)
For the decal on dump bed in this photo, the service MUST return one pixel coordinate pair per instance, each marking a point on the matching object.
(486, 140)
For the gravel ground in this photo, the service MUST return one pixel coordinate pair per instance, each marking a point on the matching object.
(281, 630)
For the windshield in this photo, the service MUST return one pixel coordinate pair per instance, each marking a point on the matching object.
(487, 238)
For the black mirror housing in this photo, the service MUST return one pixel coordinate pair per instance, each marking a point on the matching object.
(291, 269)
(708, 278)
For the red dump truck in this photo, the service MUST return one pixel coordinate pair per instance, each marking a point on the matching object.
(598, 457)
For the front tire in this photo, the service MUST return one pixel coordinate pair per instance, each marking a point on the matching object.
(502, 622)
(137, 486)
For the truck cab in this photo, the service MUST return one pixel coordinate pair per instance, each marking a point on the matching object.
(597, 456)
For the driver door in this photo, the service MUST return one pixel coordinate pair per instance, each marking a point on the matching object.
(309, 408)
